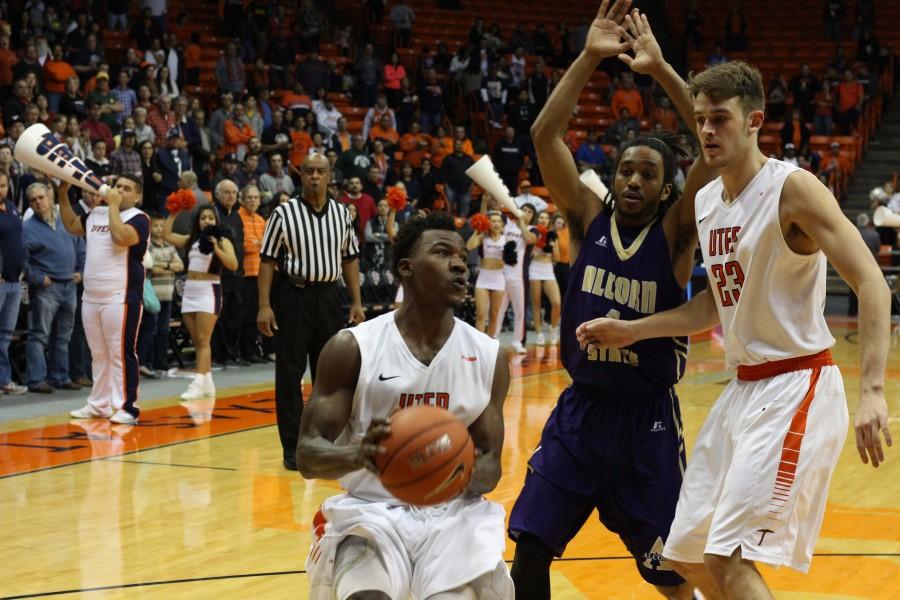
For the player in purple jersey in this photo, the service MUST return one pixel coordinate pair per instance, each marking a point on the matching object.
(613, 442)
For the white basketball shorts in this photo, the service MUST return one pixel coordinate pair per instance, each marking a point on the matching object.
(407, 551)
(758, 476)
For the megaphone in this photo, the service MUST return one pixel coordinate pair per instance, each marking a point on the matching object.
(593, 182)
(885, 217)
(42, 151)
(483, 173)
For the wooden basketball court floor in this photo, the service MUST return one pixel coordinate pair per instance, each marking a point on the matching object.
(193, 502)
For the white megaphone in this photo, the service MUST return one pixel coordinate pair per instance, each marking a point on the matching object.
(885, 217)
(483, 173)
(595, 184)
(42, 151)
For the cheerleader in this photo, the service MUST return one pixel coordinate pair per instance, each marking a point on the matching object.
(541, 278)
(490, 285)
(201, 301)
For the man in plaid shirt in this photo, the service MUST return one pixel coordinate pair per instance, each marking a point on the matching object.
(125, 160)
(125, 95)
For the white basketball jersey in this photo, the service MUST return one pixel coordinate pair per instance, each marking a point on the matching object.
(459, 379)
(512, 233)
(771, 301)
(113, 274)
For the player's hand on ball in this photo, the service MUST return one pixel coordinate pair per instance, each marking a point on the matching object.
(605, 34)
(612, 333)
(370, 447)
(871, 422)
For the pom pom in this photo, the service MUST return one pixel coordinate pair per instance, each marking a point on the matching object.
(396, 198)
(480, 223)
(203, 242)
(541, 233)
(180, 200)
(510, 256)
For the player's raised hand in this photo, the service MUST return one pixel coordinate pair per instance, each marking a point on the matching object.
(612, 333)
(872, 422)
(605, 34)
(647, 53)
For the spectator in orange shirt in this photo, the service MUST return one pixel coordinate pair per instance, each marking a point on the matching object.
(56, 72)
(441, 147)
(254, 225)
(8, 60)
(238, 132)
(193, 54)
(834, 168)
(386, 133)
(394, 73)
(459, 133)
(850, 96)
(297, 101)
(301, 142)
(665, 116)
(415, 144)
(628, 97)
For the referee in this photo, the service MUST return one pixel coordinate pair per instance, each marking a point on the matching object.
(313, 242)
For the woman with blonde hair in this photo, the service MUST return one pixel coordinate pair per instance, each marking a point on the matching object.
(490, 285)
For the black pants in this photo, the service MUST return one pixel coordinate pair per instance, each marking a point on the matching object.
(79, 353)
(248, 339)
(307, 318)
(228, 326)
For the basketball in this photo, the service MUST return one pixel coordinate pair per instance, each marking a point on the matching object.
(428, 457)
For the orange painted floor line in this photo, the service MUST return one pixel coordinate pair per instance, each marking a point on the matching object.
(82, 440)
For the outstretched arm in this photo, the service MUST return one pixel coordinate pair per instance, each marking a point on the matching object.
(809, 206)
(558, 167)
(70, 220)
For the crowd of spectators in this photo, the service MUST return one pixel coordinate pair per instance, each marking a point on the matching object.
(156, 109)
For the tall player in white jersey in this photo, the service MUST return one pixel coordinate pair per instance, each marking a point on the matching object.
(367, 544)
(757, 480)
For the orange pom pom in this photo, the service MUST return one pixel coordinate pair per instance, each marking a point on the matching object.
(396, 198)
(480, 223)
(180, 200)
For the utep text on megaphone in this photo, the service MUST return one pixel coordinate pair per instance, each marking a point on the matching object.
(57, 152)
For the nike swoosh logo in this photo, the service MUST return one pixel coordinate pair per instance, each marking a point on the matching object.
(702, 219)
(383, 378)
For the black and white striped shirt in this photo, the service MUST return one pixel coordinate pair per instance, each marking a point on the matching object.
(310, 244)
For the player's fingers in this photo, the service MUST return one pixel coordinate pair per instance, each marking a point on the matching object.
(645, 24)
(619, 10)
(625, 58)
(601, 12)
(861, 445)
(886, 432)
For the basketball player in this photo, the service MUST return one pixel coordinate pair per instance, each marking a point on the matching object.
(614, 440)
(367, 544)
(116, 235)
(757, 483)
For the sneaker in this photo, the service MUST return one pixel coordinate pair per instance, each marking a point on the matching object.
(85, 412)
(539, 339)
(40, 388)
(554, 335)
(208, 387)
(518, 348)
(148, 372)
(13, 389)
(195, 389)
(123, 418)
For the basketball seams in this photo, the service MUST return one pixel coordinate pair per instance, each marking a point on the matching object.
(412, 439)
(437, 467)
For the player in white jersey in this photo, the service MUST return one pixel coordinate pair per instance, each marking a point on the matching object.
(757, 480)
(368, 544)
(116, 235)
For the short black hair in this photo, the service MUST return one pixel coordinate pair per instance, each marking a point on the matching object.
(671, 147)
(138, 183)
(413, 229)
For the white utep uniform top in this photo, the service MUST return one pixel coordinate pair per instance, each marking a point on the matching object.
(778, 310)
(106, 265)
(390, 376)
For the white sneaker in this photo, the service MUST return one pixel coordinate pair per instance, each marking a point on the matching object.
(13, 389)
(195, 388)
(85, 412)
(124, 418)
(208, 387)
(554, 335)
(518, 348)
(539, 340)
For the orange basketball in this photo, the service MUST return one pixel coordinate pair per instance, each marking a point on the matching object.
(428, 457)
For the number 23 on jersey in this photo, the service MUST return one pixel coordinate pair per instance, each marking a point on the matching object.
(729, 278)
